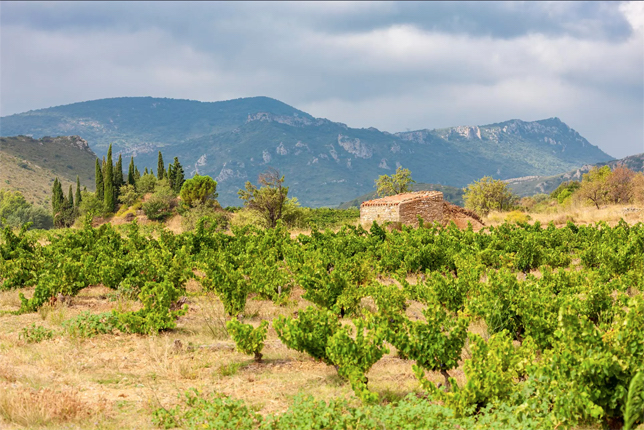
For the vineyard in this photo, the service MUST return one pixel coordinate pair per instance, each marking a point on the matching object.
(517, 326)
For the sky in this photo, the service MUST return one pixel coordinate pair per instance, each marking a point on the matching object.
(395, 66)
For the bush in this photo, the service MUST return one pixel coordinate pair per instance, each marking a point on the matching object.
(36, 334)
(214, 216)
(128, 195)
(159, 205)
(200, 189)
(249, 340)
(146, 183)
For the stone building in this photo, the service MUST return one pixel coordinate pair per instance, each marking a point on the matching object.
(403, 208)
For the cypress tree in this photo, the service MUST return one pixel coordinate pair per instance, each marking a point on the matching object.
(171, 176)
(78, 192)
(56, 198)
(118, 178)
(130, 172)
(137, 174)
(179, 177)
(70, 198)
(146, 171)
(118, 173)
(109, 183)
(99, 181)
(160, 167)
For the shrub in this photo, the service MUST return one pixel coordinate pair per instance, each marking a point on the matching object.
(200, 189)
(36, 334)
(249, 340)
(215, 217)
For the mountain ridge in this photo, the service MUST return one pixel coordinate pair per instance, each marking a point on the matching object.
(324, 162)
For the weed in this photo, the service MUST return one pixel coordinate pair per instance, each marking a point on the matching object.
(36, 334)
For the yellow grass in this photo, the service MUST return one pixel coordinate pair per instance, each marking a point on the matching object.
(581, 215)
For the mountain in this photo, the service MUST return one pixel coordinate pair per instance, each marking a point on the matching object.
(530, 185)
(30, 166)
(324, 162)
(451, 194)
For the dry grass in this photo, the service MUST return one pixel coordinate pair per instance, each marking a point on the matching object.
(580, 215)
(131, 375)
(35, 408)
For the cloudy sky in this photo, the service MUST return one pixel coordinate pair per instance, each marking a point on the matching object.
(393, 66)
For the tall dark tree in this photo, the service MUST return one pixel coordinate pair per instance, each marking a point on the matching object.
(118, 178)
(160, 167)
(57, 198)
(109, 201)
(145, 172)
(99, 181)
(70, 198)
(170, 175)
(179, 177)
(137, 174)
(130, 172)
(78, 199)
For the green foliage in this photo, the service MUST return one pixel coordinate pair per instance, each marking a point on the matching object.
(269, 200)
(491, 372)
(15, 211)
(215, 217)
(159, 205)
(128, 195)
(146, 183)
(397, 183)
(354, 357)
(89, 325)
(249, 340)
(35, 334)
(160, 167)
(198, 412)
(109, 193)
(310, 332)
(634, 410)
(99, 182)
(199, 190)
(488, 194)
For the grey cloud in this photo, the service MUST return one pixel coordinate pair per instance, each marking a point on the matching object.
(389, 65)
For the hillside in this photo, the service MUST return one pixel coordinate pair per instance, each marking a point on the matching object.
(30, 166)
(324, 162)
(531, 185)
(451, 194)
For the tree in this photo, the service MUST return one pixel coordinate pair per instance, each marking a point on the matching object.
(57, 198)
(15, 211)
(137, 174)
(109, 199)
(160, 167)
(118, 177)
(399, 182)
(146, 183)
(620, 185)
(131, 172)
(99, 180)
(179, 177)
(594, 188)
(269, 200)
(78, 192)
(489, 194)
(70, 198)
(199, 190)
(170, 175)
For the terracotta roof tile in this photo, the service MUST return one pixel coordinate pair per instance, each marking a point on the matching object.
(404, 197)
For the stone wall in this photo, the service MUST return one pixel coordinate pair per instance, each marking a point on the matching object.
(403, 208)
(380, 213)
(430, 209)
